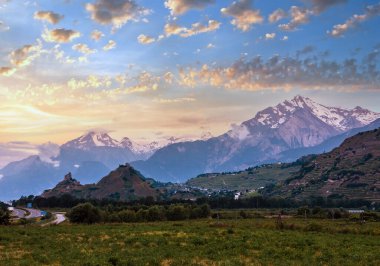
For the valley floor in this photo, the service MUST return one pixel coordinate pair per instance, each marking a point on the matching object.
(201, 242)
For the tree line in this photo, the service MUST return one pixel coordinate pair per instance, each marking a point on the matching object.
(215, 202)
(88, 214)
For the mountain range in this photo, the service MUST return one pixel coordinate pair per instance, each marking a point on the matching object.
(284, 133)
(281, 133)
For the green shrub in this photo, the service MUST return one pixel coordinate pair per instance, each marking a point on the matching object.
(177, 213)
(127, 216)
(85, 213)
(4, 216)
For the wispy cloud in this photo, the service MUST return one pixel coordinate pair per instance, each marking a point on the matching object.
(197, 28)
(355, 20)
(110, 45)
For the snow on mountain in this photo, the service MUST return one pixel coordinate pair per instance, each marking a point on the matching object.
(93, 139)
(339, 118)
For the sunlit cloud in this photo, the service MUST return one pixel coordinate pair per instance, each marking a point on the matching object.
(48, 16)
(270, 36)
(277, 15)
(25, 55)
(60, 35)
(110, 45)
(196, 28)
(179, 7)
(243, 14)
(115, 13)
(83, 48)
(96, 35)
(355, 20)
(286, 73)
(7, 71)
(298, 16)
(144, 39)
(174, 100)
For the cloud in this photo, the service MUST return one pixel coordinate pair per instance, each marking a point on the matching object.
(196, 28)
(277, 15)
(83, 48)
(3, 26)
(110, 45)
(14, 151)
(173, 29)
(210, 45)
(243, 15)
(298, 16)
(48, 151)
(25, 55)
(179, 7)
(60, 35)
(144, 39)
(355, 20)
(321, 5)
(174, 100)
(285, 38)
(48, 16)
(306, 50)
(270, 36)
(115, 12)
(96, 35)
(288, 72)
(7, 71)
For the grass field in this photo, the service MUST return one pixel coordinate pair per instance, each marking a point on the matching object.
(202, 242)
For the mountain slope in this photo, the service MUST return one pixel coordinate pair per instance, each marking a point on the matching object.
(351, 171)
(124, 183)
(27, 177)
(291, 125)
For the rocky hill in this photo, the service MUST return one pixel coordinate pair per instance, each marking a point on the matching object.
(351, 171)
(124, 183)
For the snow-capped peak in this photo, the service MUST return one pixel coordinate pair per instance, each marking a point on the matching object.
(339, 118)
(93, 139)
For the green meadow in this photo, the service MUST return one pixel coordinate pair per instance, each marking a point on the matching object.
(260, 241)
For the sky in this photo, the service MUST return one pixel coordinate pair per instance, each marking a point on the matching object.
(151, 69)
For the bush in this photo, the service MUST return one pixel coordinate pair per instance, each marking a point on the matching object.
(127, 216)
(177, 213)
(4, 216)
(85, 213)
(155, 213)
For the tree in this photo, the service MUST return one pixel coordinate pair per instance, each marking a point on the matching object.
(5, 215)
(85, 213)
(177, 213)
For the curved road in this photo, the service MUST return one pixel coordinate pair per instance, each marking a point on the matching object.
(18, 213)
(33, 213)
(59, 218)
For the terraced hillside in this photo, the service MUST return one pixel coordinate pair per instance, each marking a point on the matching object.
(351, 171)
(249, 179)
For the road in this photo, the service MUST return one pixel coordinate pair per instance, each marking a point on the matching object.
(33, 213)
(59, 218)
(18, 213)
